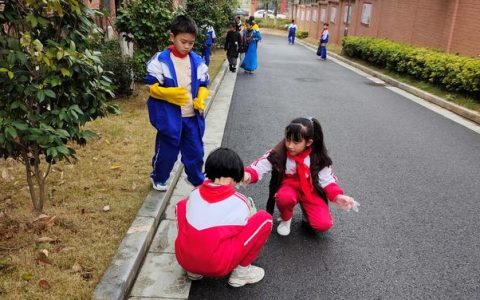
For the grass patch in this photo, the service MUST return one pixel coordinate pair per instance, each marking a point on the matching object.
(112, 170)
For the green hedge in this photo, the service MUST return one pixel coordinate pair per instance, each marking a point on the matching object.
(452, 72)
(301, 34)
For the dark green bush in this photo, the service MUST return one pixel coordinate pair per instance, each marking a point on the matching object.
(121, 68)
(452, 72)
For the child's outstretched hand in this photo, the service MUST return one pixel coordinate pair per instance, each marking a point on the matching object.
(346, 203)
(246, 179)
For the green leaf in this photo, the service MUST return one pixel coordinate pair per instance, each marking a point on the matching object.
(52, 152)
(50, 93)
(20, 125)
(41, 95)
(33, 21)
(12, 132)
(10, 74)
(63, 133)
(63, 149)
(65, 72)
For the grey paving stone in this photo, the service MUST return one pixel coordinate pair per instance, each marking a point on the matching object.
(161, 276)
(164, 239)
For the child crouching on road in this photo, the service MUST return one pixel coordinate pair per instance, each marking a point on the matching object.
(219, 231)
(301, 173)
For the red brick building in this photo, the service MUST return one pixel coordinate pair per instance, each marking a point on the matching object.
(449, 25)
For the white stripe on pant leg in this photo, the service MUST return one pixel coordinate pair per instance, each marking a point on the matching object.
(256, 231)
(155, 160)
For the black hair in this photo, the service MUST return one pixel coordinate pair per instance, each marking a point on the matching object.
(183, 24)
(293, 21)
(224, 162)
(231, 25)
(305, 129)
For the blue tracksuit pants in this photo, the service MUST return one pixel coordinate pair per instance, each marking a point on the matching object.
(191, 149)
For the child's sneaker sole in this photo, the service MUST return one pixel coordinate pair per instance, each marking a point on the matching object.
(193, 276)
(158, 187)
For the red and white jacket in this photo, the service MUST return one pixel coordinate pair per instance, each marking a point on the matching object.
(326, 179)
(208, 222)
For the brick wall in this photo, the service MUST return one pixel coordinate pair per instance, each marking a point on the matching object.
(466, 29)
(450, 25)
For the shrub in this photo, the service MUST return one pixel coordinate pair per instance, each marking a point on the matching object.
(452, 72)
(121, 68)
(301, 34)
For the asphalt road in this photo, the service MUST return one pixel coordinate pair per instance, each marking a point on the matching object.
(415, 173)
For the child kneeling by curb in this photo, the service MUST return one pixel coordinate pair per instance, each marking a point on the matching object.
(219, 230)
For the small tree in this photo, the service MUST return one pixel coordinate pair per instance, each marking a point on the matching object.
(146, 23)
(216, 13)
(51, 84)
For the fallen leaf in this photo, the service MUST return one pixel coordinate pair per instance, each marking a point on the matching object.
(42, 258)
(61, 249)
(45, 251)
(106, 208)
(45, 239)
(40, 217)
(107, 142)
(27, 276)
(49, 224)
(114, 167)
(4, 174)
(44, 284)
(77, 268)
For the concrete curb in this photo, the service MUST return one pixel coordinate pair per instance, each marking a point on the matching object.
(455, 108)
(120, 276)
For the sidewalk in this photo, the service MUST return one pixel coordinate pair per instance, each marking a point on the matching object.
(147, 249)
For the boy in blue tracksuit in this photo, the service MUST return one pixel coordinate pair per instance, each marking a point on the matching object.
(178, 78)
(292, 31)
(210, 40)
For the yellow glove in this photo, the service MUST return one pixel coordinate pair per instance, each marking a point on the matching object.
(174, 95)
(199, 102)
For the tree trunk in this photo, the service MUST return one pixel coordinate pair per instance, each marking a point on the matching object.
(36, 181)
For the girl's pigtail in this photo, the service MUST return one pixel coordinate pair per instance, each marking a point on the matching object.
(319, 145)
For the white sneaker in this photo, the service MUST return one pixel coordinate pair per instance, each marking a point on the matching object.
(161, 187)
(284, 227)
(245, 275)
(193, 276)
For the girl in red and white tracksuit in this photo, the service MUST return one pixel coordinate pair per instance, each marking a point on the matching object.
(218, 230)
(301, 172)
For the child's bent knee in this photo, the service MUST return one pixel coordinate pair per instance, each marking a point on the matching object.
(322, 226)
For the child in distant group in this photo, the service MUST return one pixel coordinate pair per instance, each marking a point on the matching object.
(322, 48)
(250, 41)
(209, 41)
(177, 78)
(232, 44)
(301, 172)
(219, 231)
(292, 31)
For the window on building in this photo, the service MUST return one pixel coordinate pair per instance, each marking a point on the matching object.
(347, 14)
(366, 13)
(315, 15)
(308, 15)
(323, 15)
(333, 14)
